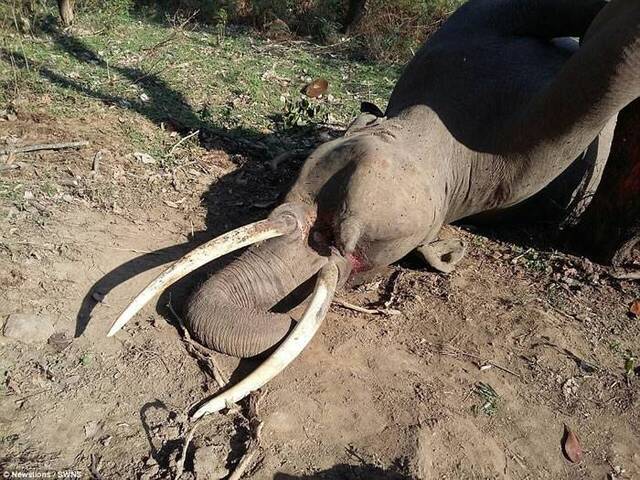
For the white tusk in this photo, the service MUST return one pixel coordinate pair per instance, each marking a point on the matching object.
(227, 243)
(288, 350)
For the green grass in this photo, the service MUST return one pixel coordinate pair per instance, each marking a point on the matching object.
(192, 77)
(489, 400)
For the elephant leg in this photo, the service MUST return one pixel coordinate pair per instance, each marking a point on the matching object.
(609, 230)
(443, 255)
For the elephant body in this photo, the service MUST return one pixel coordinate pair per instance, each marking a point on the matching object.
(498, 114)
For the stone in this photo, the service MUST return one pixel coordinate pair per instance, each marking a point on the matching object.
(209, 463)
(28, 328)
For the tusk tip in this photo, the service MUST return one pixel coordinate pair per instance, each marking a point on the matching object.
(111, 333)
(115, 328)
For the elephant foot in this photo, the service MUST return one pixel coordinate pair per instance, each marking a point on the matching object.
(443, 255)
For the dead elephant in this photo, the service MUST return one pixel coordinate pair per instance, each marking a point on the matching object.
(492, 113)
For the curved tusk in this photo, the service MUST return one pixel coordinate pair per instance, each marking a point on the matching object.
(288, 350)
(227, 243)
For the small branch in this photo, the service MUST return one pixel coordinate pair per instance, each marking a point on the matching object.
(191, 135)
(185, 446)
(505, 370)
(44, 146)
(356, 308)
(256, 432)
(198, 351)
(94, 468)
(247, 459)
(456, 352)
(173, 34)
(514, 261)
(626, 275)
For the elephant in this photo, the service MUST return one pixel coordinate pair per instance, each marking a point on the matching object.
(502, 112)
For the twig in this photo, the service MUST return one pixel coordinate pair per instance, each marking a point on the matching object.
(133, 250)
(526, 252)
(185, 446)
(256, 432)
(94, 468)
(184, 139)
(44, 146)
(505, 370)
(356, 308)
(626, 275)
(457, 352)
(151, 71)
(557, 310)
(91, 34)
(172, 35)
(198, 350)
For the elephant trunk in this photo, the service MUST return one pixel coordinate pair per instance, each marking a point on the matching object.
(229, 313)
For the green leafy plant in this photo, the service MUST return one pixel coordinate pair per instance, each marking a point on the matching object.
(86, 359)
(490, 400)
(303, 111)
(222, 18)
(630, 361)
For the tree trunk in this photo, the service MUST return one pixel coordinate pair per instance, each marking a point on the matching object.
(355, 12)
(610, 227)
(66, 11)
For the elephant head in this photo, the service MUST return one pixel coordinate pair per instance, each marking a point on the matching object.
(346, 206)
(343, 217)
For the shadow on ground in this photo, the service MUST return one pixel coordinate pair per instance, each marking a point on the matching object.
(347, 472)
(247, 194)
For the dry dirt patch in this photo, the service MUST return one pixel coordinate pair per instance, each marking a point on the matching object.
(375, 397)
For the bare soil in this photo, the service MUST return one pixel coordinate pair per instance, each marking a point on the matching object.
(374, 397)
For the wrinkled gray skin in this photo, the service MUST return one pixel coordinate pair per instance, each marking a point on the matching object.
(488, 114)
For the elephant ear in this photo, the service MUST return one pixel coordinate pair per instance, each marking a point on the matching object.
(371, 108)
(362, 122)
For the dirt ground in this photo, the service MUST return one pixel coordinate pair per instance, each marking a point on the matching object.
(475, 377)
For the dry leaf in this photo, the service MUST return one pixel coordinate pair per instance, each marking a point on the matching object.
(316, 88)
(635, 308)
(571, 446)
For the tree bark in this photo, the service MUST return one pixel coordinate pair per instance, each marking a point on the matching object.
(355, 12)
(610, 228)
(66, 12)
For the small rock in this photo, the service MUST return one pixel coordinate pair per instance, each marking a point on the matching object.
(209, 463)
(150, 473)
(92, 429)
(28, 195)
(144, 97)
(28, 328)
(144, 158)
(570, 388)
(59, 341)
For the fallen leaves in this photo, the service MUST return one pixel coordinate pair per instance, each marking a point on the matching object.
(571, 446)
(316, 88)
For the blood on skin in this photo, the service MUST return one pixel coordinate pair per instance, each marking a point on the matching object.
(358, 264)
(323, 237)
